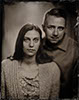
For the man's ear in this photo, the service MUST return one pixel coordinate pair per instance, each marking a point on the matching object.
(43, 27)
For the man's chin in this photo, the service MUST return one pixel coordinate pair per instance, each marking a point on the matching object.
(54, 42)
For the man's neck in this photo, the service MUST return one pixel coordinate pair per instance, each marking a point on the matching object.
(52, 45)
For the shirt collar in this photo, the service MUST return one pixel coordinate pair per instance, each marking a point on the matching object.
(62, 45)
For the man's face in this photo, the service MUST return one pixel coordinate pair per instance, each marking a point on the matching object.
(54, 28)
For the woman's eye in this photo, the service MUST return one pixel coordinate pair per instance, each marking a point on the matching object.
(51, 27)
(36, 40)
(26, 40)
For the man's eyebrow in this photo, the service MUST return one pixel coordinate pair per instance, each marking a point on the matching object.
(50, 26)
(61, 27)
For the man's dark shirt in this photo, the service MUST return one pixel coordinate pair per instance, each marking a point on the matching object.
(65, 55)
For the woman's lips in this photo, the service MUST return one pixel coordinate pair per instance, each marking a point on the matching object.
(31, 50)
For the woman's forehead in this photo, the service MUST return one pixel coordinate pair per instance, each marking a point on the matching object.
(32, 33)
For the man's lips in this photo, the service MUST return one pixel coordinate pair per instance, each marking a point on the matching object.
(54, 37)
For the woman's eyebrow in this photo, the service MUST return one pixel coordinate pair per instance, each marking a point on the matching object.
(26, 38)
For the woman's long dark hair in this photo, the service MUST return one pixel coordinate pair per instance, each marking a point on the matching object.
(19, 53)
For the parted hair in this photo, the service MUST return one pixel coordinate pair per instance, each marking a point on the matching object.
(41, 57)
(58, 12)
(19, 54)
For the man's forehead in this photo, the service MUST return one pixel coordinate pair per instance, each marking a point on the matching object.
(54, 17)
(55, 20)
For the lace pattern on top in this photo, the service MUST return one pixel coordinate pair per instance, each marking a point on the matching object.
(30, 87)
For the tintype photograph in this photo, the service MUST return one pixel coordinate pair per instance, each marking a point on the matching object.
(39, 49)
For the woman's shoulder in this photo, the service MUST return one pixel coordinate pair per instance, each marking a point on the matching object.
(50, 66)
(49, 63)
(7, 62)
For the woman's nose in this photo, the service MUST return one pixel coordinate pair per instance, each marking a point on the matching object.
(31, 44)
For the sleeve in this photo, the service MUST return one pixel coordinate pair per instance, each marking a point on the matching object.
(54, 95)
(2, 82)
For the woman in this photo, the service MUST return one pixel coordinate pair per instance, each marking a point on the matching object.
(22, 76)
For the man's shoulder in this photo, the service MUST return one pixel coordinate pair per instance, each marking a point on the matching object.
(73, 42)
(72, 47)
(71, 39)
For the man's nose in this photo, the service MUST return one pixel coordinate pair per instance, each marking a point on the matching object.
(31, 44)
(55, 33)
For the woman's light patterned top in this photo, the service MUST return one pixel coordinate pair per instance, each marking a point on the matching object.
(29, 87)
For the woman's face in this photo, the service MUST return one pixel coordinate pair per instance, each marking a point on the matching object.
(31, 42)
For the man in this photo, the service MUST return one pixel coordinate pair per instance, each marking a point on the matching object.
(60, 47)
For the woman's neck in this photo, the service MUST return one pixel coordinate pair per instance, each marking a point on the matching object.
(29, 60)
(29, 63)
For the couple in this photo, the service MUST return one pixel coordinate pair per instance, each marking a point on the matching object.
(39, 67)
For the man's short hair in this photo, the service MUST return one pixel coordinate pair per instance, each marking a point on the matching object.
(58, 12)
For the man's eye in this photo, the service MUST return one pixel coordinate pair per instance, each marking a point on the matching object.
(36, 40)
(60, 28)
